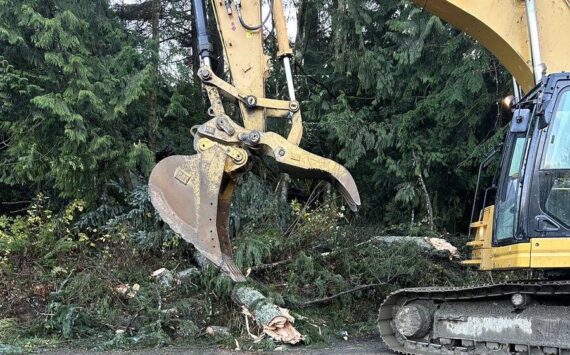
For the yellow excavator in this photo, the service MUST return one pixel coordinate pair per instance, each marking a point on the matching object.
(526, 228)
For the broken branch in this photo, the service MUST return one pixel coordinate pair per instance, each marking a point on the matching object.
(330, 298)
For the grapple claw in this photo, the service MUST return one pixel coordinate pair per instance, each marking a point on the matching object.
(301, 163)
(192, 194)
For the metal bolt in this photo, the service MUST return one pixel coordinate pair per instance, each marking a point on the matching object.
(281, 152)
(294, 106)
(225, 126)
(238, 159)
(204, 74)
(251, 101)
(254, 137)
(242, 136)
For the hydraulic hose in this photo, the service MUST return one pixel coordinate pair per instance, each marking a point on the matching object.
(245, 24)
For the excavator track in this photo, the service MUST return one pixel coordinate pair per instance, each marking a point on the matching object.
(528, 317)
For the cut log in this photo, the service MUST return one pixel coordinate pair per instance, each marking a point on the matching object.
(275, 321)
(437, 247)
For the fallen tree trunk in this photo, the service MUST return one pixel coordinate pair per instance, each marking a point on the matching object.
(275, 321)
(437, 247)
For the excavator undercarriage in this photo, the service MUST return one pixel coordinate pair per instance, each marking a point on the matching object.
(530, 317)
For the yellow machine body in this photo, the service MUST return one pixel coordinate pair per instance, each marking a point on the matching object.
(501, 27)
(528, 227)
(538, 253)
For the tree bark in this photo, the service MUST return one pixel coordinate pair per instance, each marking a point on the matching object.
(153, 100)
(427, 197)
(275, 321)
(284, 193)
(436, 247)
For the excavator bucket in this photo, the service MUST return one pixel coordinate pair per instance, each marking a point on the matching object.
(193, 194)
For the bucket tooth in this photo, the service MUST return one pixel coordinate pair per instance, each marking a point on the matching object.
(192, 194)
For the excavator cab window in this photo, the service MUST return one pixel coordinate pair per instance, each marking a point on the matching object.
(533, 191)
(508, 198)
(555, 167)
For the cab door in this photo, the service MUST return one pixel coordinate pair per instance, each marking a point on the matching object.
(548, 219)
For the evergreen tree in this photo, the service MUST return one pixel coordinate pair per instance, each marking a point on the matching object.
(405, 100)
(70, 85)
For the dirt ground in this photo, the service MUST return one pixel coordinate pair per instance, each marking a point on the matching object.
(368, 345)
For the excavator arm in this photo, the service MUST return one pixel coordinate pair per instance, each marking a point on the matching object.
(193, 194)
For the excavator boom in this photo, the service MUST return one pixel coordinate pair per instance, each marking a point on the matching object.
(502, 26)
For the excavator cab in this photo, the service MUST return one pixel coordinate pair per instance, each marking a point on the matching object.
(528, 226)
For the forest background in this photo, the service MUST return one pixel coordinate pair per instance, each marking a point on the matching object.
(93, 94)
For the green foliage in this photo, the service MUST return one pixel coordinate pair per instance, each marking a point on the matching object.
(68, 70)
(128, 214)
(399, 97)
(256, 204)
(40, 235)
(87, 105)
(73, 100)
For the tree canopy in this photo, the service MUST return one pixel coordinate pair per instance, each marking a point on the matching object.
(93, 93)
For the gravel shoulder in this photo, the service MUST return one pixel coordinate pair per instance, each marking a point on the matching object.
(365, 345)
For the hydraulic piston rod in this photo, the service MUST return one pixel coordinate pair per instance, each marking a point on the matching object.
(204, 44)
(539, 69)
